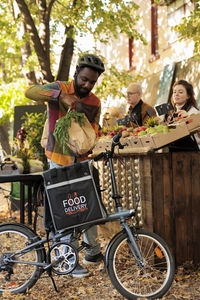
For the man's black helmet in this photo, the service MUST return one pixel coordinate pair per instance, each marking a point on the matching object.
(93, 61)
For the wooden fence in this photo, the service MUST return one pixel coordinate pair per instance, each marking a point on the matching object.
(169, 186)
(176, 203)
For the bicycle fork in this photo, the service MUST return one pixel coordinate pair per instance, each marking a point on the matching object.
(133, 246)
(131, 243)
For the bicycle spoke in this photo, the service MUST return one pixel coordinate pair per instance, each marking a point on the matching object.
(133, 280)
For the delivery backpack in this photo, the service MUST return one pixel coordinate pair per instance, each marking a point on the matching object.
(73, 196)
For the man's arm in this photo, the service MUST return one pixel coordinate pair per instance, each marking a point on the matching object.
(46, 92)
(50, 92)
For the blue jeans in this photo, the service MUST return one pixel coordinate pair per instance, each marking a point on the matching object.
(89, 236)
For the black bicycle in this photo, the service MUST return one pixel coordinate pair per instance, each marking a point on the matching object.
(139, 262)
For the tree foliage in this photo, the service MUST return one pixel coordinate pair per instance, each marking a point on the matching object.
(113, 83)
(190, 27)
(10, 45)
(51, 25)
(38, 40)
(11, 94)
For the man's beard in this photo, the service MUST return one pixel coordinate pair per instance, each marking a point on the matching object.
(77, 89)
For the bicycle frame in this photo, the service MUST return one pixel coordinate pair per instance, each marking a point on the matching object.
(120, 215)
(40, 243)
(129, 273)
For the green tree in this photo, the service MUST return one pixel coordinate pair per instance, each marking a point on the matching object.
(44, 26)
(10, 46)
(32, 32)
(190, 27)
(10, 94)
(114, 80)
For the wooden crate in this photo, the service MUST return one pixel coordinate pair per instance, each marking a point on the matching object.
(148, 141)
(178, 131)
(102, 145)
(134, 146)
(192, 122)
(132, 141)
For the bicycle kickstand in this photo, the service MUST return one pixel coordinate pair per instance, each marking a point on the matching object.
(52, 279)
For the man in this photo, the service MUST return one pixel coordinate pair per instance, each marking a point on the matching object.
(139, 111)
(61, 96)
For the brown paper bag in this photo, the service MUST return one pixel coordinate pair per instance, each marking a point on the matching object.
(81, 138)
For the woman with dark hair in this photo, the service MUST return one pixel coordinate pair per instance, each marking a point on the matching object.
(183, 97)
(184, 103)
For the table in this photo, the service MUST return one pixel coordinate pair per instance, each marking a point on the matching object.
(33, 181)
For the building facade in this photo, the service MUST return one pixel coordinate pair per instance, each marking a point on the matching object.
(165, 57)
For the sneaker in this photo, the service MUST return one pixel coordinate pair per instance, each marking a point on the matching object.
(95, 259)
(79, 272)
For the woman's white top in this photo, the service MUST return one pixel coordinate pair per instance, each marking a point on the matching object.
(191, 111)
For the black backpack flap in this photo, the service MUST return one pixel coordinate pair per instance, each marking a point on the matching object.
(56, 175)
(73, 201)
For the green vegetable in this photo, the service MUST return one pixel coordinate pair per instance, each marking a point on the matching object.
(63, 124)
(143, 132)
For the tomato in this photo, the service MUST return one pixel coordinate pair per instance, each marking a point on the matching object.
(123, 129)
(100, 133)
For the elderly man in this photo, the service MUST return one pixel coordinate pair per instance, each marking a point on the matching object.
(60, 96)
(139, 111)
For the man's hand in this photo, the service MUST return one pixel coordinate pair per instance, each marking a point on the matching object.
(69, 100)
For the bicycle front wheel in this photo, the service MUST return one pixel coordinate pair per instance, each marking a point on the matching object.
(18, 277)
(153, 279)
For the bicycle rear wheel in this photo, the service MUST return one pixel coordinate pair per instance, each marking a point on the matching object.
(18, 277)
(132, 281)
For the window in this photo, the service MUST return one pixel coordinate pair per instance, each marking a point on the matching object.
(154, 32)
(131, 53)
(175, 12)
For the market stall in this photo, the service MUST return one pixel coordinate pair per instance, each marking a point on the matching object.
(168, 184)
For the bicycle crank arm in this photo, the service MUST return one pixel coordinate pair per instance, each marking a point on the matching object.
(54, 263)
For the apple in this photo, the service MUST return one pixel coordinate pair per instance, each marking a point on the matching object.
(151, 130)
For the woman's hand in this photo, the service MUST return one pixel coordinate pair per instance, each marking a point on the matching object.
(183, 114)
(69, 100)
(169, 119)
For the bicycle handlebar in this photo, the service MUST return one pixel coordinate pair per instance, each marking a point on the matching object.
(115, 142)
(99, 156)
(116, 138)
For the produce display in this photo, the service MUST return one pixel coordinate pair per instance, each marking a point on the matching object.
(154, 135)
(35, 165)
